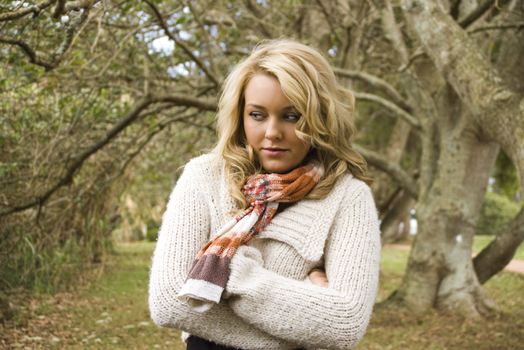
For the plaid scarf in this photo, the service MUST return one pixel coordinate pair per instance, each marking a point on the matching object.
(209, 274)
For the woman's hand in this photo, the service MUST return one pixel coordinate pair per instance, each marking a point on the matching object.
(318, 276)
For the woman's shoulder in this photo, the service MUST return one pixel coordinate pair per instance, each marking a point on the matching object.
(352, 188)
(207, 165)
(207, 161)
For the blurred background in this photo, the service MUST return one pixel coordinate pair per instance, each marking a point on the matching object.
(102, 102)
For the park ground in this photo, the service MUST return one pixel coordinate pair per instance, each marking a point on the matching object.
(110, 312)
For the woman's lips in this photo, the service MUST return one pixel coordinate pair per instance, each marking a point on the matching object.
(273, 152)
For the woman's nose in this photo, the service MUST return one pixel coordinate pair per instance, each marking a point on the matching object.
(273, 129)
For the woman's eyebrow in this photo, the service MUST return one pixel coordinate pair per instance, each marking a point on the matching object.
(254, 105)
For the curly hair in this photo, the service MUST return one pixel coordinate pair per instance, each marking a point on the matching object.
(309, 83)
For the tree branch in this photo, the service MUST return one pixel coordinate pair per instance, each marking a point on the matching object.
(70, 34)
(188, 101)
(48, 63)
(501, 250)
(391, 106)
(209, 40)
(476, 14)
(391, 29)
(30, 53)
(517, 25)
(35, 10)
(59, 9)
(394, 170)
(454, 8)
(496, 108)
(181, 44)
(80, 4)
(377, 83)
(258, 15)
(147, 140)
(131, 116)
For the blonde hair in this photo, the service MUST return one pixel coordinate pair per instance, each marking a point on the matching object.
(326, 109)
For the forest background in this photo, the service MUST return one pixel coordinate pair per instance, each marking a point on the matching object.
(102, 102)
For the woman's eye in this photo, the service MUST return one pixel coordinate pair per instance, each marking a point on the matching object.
(256, 115)
(292, 117)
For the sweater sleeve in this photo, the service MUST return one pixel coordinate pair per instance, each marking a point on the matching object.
(185, 228)
(335, 317)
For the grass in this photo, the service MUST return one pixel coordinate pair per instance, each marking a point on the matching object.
(112, 314)
(398, 329)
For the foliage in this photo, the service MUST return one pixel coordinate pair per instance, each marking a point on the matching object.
(497, 211)
(506, 178)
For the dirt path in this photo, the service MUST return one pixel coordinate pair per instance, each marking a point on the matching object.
(515, 265)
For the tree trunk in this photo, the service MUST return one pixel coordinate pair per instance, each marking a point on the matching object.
(501, 250)
(496, 109)
(463, 140)
(440, 271)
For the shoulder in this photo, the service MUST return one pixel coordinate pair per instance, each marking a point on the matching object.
(206, 166)
(351, 188)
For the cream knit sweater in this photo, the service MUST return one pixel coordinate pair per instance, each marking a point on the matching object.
(270, 303)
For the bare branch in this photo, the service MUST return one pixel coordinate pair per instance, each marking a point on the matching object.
(70, 34)
(476, 14)
(419, 52)
(391, 106)
(79, 5)
(331, 20)
(59, 9)
(454, 8)
(209, 41)
(377, 83)
(182, 100)
(257, 14)
(35, 10)
(391, 29)
(50, 63)
(82, 157)
(517, 25)
(394, 170)
(33, 56)
(181, 44)
(501, 250)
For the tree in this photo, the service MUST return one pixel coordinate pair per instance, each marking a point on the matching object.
(108, 83)
(440, 270)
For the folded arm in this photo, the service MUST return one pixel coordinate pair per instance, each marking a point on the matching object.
(307, 314)
(185, 228)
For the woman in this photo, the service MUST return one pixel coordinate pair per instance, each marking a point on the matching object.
(294, 251)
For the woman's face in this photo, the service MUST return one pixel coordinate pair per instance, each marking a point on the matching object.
(269, 125)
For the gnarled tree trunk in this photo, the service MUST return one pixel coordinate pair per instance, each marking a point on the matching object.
(465, 143)
(440, 271)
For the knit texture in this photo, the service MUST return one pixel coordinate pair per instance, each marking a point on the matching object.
(271, 305)
(210, 272)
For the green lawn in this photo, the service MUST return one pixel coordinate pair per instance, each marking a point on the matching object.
(397, 329)
(112, 314)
